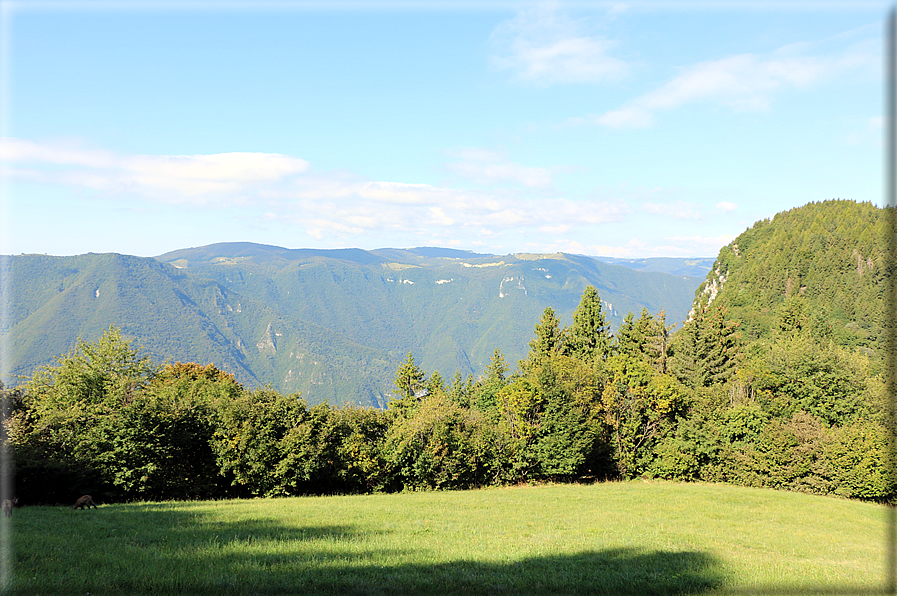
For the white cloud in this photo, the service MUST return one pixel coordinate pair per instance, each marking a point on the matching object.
(489, 167)
(195, 178)
(334, 208)
(543, 46)
(726, 206)
(442, 211)
(745, 82)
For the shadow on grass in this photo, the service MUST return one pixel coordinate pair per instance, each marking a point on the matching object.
(160, 550)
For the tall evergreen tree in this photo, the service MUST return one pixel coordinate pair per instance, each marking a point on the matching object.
(658, 344)
(548, 340)
(627, 340)
(410, 384)
(498, 367)
(588, 338)
(493, 380)
(719, 342)
(647, 337)
(706, 347)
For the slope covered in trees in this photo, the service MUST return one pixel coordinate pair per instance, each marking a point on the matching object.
(823, 263)
(757, 388)
(332, 324)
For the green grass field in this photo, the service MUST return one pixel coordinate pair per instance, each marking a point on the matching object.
(611, 538)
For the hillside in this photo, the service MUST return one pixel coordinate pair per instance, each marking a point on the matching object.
(333, 324)
(825, 262)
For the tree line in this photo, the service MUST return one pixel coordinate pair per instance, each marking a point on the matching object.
(793, 410)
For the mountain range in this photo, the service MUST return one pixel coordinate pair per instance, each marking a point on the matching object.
(331, 324)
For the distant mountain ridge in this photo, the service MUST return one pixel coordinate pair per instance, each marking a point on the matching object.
(333, 324)
(695, 267)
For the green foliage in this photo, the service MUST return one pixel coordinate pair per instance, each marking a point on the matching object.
(310, 461)
(61, 428)
(484, 394)
(570, 442)
(362, 450)
(648, 337)
(410, 386)
(858, 461)
(640, 408)
(443, 446)
(158, 447)
(829, 256)
(521, 404)
(102, 372)
(588, 339)
(801, 373)
(548, 341)
(552, 420)
(706, 348)
(252, 437)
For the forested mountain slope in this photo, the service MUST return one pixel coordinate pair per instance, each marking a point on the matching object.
(824, 262)
(775, 380)
(333, 324)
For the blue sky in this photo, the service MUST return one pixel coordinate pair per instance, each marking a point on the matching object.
(618, 129)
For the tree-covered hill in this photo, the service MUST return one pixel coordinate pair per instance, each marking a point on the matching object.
(332, 324)
(773, 381)
(824, 263)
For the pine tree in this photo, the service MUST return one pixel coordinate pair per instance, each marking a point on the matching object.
(648, 338)
(548, 340)
(494, 380)
(588, 338)
(661, 342)
(706, 347)
(410, 385)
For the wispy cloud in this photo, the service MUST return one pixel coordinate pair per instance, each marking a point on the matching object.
(489, 167)
(176, 178)
(726, 206)
(282, 188)
(425, 209)
(542, 45)
(745, 82)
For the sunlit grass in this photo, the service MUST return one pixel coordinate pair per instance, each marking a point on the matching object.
(612, 538)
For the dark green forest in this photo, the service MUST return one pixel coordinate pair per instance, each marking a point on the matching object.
(774, 381)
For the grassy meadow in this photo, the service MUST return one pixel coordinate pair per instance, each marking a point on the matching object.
(610, 538)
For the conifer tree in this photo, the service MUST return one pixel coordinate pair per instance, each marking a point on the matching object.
(627, 341)
(719, 344)
(661, 342)
(648, 338)
(588, 338)
(494, 381)
(410, 383)
(548, 340)
(706, 347)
